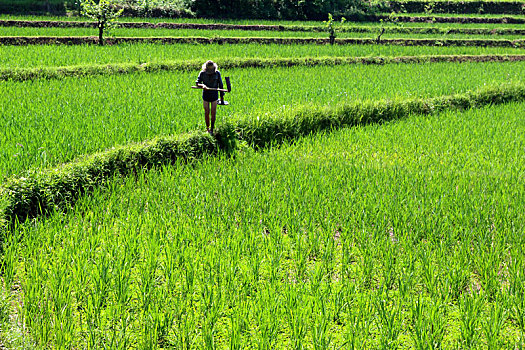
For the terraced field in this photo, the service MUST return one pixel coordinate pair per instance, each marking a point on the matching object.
(124, 32)
(355, 206)
(91, 114)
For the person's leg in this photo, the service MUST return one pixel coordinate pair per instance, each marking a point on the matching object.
(206, 105)
(213, 114)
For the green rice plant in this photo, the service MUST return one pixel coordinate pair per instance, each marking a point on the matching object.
(360, 320)
(488, 267)
(9, 260)
(267, 318)
(428, 324)
(493, 324)
(296, 316)
(430, 271)
(321, 337)
(388, 258)
(389, 319)
(470, 309)
(406, 277)
(366, 268)
(456, 275)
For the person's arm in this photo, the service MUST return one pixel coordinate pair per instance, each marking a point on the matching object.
(221, 86)
(199, 82)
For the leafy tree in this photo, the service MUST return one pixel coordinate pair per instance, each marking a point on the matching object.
(104, 12)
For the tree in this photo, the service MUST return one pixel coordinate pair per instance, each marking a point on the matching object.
(104, 12)
(330, 27)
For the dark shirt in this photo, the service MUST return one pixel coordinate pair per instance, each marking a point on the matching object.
(211, 80)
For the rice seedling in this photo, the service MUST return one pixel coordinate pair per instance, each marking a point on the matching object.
(470, 311)
(428, 323)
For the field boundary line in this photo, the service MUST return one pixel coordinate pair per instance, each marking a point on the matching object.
(450, 19)
(92, 40)
(249, 27)
(41, 191)
(23, 74)
(464, 7)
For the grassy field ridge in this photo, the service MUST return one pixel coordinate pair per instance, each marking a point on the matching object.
(259, 27)
(38, 192)
(23, 74)
(91, 40)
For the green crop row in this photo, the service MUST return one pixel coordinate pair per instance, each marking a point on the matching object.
(40, 191)
(22, 74)
(47, 122)
(261, 132)
(463, 7)
(236, 28)
(446, 18)
(47, 55)
(90, 40)
(361, 32)
(406, 235)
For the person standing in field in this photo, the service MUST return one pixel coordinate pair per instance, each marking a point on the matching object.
(210, 78)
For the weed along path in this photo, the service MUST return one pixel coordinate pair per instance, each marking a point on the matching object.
(374, 236)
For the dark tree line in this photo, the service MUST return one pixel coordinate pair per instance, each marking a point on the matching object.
(281, 9)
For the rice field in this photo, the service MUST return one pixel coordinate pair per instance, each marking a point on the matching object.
(51, 55)
(394, 236)
(398, 235)
(56, 121)
(146, 32)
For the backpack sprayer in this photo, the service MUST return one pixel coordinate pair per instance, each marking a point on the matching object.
(228, 89)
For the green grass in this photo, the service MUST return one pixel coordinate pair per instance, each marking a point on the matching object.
(388, 235)
(46, 122)
(52, 55)
(134, 32)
